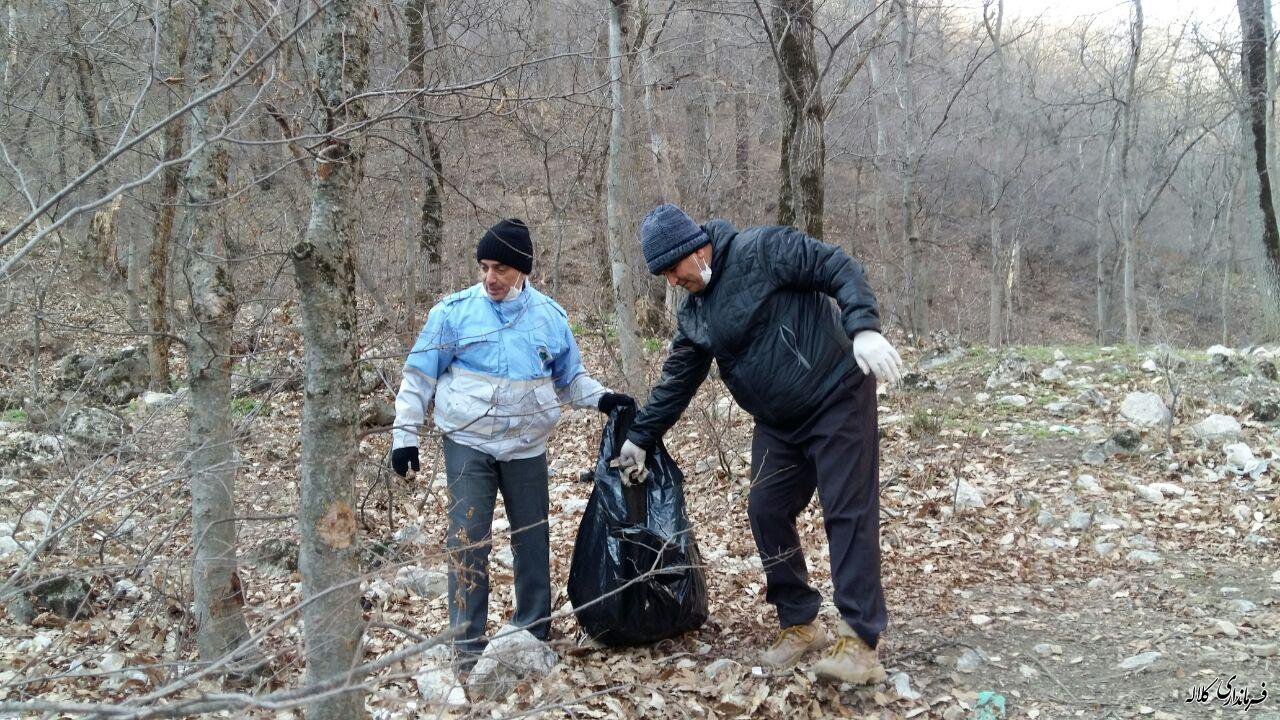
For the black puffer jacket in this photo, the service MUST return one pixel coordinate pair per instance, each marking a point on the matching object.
(767, 319)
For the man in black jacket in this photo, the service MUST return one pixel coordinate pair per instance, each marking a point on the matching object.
(760, 305)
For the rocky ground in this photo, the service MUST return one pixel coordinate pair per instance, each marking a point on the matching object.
(1067, 532)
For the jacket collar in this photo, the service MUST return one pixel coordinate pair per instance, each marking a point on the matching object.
(721, 234)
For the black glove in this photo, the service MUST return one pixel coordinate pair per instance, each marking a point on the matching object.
(609, 401)
(402, 458)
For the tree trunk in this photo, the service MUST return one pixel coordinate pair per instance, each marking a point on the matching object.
(325, 268)
(219, 596)
(741, 145)
(881, 202)
(996, 323)
(431, 238)
(95, 253)
(915, 285)
(11, 41)
(624, 291)
(158, 343)
(1129, 131)
(1100, 225)
(1254, 62)
(803, 154)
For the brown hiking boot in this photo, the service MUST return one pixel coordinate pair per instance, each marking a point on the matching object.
(851, 660)
(792, 643)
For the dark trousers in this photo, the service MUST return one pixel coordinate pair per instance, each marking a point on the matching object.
(836, 452)
(474, 479)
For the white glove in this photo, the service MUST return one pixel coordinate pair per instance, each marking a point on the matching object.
(631, 462)
(874, 354)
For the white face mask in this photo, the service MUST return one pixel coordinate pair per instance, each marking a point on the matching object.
(704, 271)
(515, 290)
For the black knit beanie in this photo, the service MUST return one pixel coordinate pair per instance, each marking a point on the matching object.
(507, 242)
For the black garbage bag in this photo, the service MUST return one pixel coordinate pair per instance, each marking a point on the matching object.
(636, 575)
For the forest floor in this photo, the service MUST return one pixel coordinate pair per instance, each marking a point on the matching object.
(1041, 552)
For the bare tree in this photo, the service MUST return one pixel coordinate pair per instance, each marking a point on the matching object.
(624, 291)
(159, 342)
(219, 599)
(419, 15)
(1255, 58)
(803, 155)
(915, 286)
(1129, 116)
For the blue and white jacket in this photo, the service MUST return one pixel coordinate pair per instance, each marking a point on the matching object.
(498, 371)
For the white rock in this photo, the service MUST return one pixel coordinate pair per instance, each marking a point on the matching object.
(725, 408)
(968, 496)
(439, 686)
(1058, 355)
(1143, 556)
(505, 557)
(1265, 650)
(1227, 628)
(1052, 375)
(1149, 365)
(512, 655)
(1144, 409)
(1028, 672)
(37, 644)
(1220, 350)
(1242, 513)
(1065, 408)
(902, 684)
(1088, 484)
(422, 582)
(111, 662)
(1217, 427)
(1013, 400)
(718, 667)
(155, 400)
(574, 506)
(1054, 543)
(981, 397)
(980, 619)
(381, 590)
(8, 546)
(1141, 660)
(1047, 649)
(1148, 493)
(35, 519)
(410, 535)
(1240, 460)
(1242, 606)
(1104, 548)
(501, 525)
(125, 589)
(1080, 520)
(1168, 489)
(969, 661)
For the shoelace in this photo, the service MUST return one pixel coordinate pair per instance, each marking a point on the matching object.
(793, 631)
(842, 644)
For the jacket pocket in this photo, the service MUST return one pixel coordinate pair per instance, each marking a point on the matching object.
(548, 409)
(470, 406)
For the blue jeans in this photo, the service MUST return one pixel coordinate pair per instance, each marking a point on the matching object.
(474, 480)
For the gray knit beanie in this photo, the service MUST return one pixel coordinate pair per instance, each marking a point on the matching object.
(667, 235)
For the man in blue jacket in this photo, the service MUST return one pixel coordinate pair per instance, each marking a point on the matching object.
(499, 361)
(760, 305)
